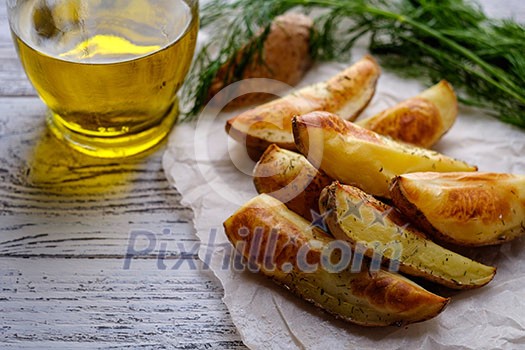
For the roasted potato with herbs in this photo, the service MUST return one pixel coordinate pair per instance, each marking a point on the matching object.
(285, 56)
(356, 156)
(359, 218)
(347, 94)
(289, 177)
(368, 298)
(421, 120)
(470, 209)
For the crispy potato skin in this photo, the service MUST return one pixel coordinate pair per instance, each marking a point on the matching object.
(421, 120)
(347, 93)
(359, 218)
(286, 54)
(462, 208)
(360, 157)
(289, 177)
(366, 298)
(415, 121)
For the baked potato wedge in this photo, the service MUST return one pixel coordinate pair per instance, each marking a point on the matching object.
(347, 94)
(355, 156)
(421, 120)
(289, 177)
(285, 57)
(470, 209)
(274, 238)
(359, 218)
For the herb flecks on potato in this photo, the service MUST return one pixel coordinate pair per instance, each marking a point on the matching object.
(289, 177)
(364, 297)
(356, 156)
(361, 219)
(421, 120)
(346, 94)
(471, 209)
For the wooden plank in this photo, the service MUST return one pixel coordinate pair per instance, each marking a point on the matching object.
(66, 224)
(54, 200)
(74, 303)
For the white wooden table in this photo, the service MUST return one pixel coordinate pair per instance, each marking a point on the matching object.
(65, 225)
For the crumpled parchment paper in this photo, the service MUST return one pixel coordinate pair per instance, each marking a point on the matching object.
(207, 169)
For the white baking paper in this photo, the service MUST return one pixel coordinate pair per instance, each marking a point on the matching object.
(212, 174)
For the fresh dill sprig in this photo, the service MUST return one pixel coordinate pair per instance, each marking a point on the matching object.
(430, 39)
(233, 28)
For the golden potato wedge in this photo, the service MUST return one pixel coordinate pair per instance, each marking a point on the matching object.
(356, 156)
(421, 120)
(287, 249)
(289, 177)
(347, 93)
(285, 57)
(470, 209)
(359, 218)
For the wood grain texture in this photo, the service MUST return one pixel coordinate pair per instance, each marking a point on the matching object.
(53, 303)
(65, 231)
(65, 224)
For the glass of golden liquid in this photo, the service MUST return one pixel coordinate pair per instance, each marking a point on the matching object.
(109, 70)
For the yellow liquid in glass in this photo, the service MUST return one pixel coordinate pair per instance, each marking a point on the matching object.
(108, 70)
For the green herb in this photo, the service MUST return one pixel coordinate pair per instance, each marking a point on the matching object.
(430, 39)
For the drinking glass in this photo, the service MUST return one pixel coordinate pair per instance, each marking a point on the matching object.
(109, 71)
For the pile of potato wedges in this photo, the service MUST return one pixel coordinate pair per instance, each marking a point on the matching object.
(349, 211)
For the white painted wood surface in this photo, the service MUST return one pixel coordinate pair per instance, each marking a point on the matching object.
(65, 223)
